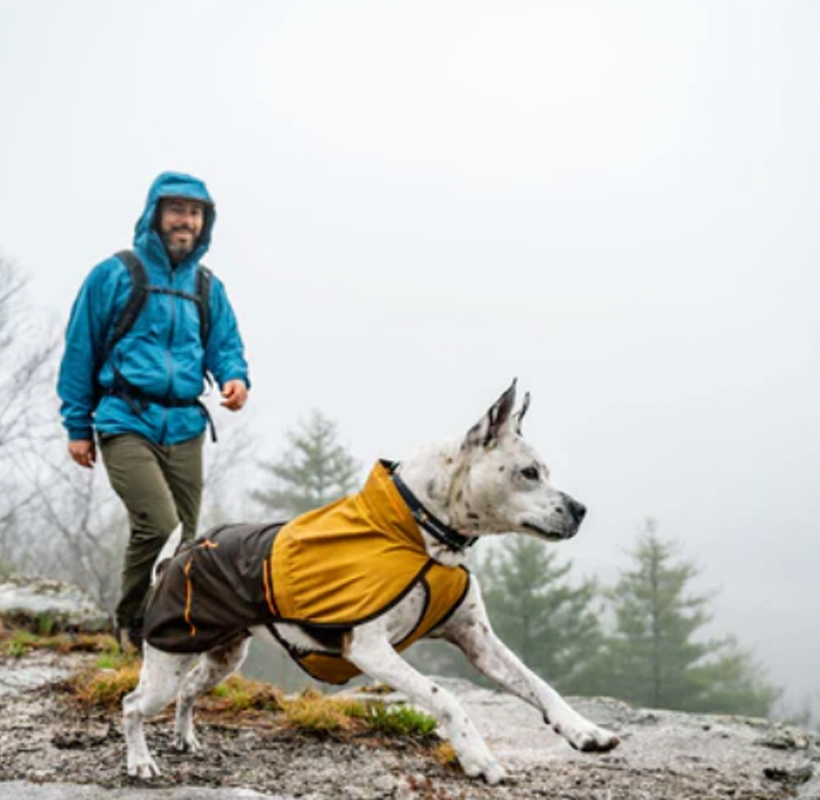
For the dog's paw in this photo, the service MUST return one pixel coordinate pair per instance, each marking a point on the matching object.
(143, 768)
(494, 773)
(600, 741)
(187, 743)
(487, 768)
(587, 737)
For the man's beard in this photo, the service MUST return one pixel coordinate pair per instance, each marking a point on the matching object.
(176, 251)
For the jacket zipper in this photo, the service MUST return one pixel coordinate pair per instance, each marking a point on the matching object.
(172, 299)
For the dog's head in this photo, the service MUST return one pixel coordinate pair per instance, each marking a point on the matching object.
(506, 485)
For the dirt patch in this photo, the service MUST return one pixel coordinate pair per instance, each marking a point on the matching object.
(44, 739)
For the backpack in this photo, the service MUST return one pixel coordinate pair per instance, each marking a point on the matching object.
(136, 301)
(139, 294)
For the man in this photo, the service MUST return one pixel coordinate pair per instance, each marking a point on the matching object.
(139, 392)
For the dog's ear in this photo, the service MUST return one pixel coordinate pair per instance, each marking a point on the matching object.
(519, 415)
(487, 431)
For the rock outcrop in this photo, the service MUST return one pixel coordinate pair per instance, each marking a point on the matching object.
(43, 605)
(50, 750)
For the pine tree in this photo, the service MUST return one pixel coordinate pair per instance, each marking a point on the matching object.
(731, 682)
(549, 623)
(654, 656)
(314, 470)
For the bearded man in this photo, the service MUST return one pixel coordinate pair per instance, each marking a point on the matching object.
(146, 328)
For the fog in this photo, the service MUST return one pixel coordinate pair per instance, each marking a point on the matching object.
(617, 203)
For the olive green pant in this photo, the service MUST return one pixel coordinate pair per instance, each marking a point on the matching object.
(161, 486)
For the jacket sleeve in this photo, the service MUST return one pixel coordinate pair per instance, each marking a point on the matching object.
(87, 326)
(224, 353)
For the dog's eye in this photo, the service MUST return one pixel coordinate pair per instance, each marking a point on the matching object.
(530, 473)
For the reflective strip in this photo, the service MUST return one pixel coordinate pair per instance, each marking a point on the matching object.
(268, 579)
(189, 595)
(207, 544)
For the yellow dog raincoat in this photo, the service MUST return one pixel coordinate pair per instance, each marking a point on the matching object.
(327, 570)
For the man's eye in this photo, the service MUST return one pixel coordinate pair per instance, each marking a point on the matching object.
(530, 473)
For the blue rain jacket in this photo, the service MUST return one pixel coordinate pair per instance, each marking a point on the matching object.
(162, 354)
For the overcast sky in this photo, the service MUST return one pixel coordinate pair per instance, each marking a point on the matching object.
(417, 201)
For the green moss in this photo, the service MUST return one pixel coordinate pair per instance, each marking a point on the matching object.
(399, 720)
(19, 643)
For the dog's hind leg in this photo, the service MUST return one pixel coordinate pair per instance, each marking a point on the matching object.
(160, 678)
(213, 668)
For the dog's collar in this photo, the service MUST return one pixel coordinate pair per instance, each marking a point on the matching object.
(435, 527)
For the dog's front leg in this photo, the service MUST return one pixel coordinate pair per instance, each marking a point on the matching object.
(369, 648)
(470, 630)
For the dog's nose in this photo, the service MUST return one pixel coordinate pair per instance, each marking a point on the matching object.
(576, 510)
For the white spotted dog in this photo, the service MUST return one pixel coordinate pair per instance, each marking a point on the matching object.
(345, 588)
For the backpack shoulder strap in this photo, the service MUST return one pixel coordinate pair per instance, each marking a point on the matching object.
(204, 279)
(136, 300)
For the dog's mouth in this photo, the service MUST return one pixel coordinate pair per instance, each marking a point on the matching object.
(549, 535)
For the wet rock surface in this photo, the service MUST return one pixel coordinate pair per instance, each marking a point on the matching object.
(31, 602)
(49, 749)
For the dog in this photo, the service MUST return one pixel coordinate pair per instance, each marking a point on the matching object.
(442, 499)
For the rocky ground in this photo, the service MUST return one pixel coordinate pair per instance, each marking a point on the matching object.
(49, 749)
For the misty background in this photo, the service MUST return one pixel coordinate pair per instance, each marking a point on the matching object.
(616, 203)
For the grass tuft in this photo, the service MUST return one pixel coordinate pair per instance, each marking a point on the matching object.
(45, 624)
(316, 712)
(376, 688)
(313, 711)
(243, 694)
(104, 687)
(445, 754)
(19, 641)
(399, 720)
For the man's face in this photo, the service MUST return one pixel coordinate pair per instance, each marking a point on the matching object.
(180, 223)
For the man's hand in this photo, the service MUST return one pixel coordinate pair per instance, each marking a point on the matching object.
(235, 394)
(83, 451)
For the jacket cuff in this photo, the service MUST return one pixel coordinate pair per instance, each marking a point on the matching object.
(243, 378)
(81, 434)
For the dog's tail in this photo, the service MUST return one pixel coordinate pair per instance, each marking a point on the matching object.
(167, 552)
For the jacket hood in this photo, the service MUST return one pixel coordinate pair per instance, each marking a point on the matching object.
(174, 184)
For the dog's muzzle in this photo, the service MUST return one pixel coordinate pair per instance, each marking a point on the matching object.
(568, 515)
